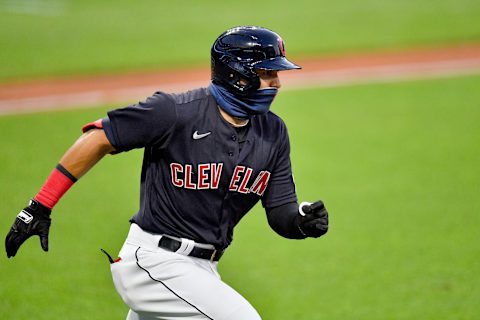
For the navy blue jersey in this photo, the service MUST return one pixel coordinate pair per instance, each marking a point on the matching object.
(196, 183)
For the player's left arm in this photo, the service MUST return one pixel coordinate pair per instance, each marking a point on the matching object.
(295, 221)
(285, 215)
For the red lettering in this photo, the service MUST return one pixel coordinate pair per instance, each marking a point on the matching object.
(202, 176)
(215, 172)
(242, 188)
(235, 178)
(175, 168)
(188, 177)
(208, 176)
(260, 183)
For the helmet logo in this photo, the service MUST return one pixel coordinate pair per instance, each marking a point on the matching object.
(281, 45)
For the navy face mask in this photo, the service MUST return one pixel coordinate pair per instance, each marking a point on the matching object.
(243, 107)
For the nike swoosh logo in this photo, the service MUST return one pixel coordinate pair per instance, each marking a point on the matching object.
(197, 135)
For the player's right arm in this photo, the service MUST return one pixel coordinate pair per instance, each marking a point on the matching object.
(92, 146)
(34, 219)
(148, 123)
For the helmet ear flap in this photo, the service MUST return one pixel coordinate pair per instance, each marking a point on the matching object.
(243, 78)
(253, 85)
(235, 76)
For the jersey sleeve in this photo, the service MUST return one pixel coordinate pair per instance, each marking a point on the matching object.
(281, 187)
(148, 123)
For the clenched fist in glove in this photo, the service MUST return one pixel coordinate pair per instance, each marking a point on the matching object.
(313, 220)
(33, 220)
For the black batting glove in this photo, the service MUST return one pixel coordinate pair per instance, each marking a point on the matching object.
(313, 219)
(33, 220)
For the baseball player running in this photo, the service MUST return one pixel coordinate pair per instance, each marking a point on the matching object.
(210, 155)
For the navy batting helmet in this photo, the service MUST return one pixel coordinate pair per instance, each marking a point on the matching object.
(239, 51)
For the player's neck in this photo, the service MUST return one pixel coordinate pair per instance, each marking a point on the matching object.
(236, 122)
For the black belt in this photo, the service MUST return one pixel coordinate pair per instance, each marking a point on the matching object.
(197, 252)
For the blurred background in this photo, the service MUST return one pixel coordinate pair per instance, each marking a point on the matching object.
(395, 159)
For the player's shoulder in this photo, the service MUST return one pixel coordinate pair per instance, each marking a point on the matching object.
(193, 105)
(271, 121)
(177, 99)
(158, 98)
(270, 127)
(274, 118)
(190, 97)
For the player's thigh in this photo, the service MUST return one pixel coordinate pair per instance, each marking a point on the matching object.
(192, 281)
(148, 299)
(173, 284)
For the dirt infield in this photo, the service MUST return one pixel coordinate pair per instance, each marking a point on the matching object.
(326, 71)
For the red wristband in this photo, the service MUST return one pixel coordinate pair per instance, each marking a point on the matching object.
(58, 182)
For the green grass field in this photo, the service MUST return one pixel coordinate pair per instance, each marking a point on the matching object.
(397, 165)
(41, 38)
